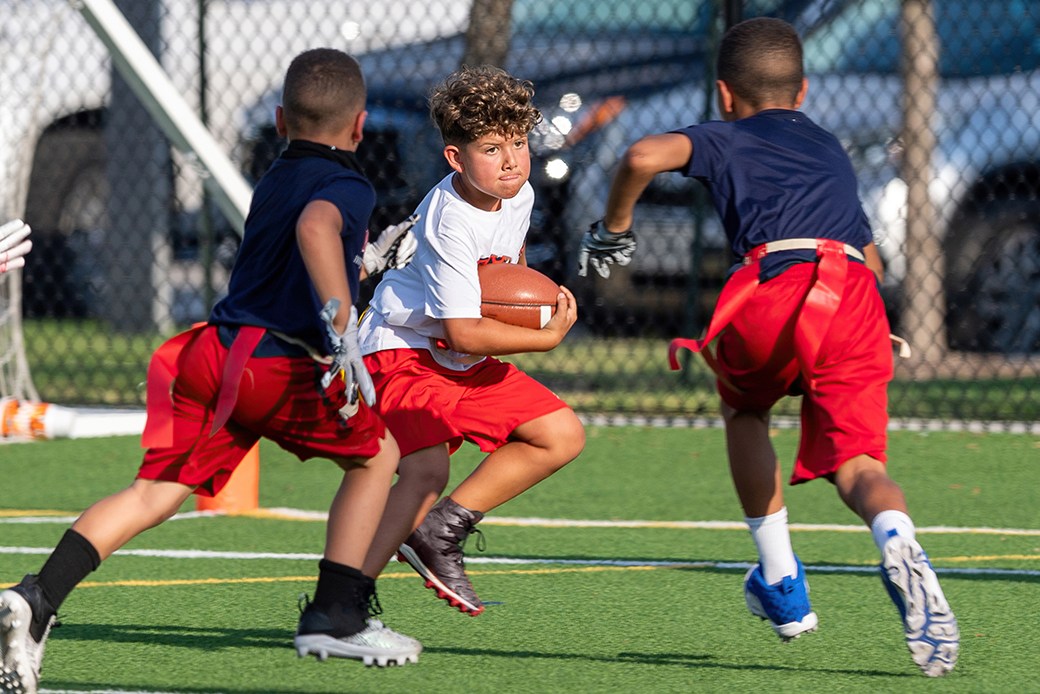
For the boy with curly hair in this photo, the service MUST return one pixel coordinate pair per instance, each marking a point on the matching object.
(432, 354)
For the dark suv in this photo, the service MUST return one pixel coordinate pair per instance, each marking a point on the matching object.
(607, 72)
(588, 59)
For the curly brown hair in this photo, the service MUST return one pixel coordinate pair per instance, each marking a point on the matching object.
(475, 101)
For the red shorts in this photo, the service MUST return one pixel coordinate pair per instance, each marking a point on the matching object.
(425, 404)
(279, 398)
(845, 414)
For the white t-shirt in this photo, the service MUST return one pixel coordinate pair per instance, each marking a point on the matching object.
(453, 237)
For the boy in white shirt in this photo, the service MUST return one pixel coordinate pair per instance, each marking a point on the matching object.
(431, 354)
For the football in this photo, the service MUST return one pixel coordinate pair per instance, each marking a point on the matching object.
(517, 294)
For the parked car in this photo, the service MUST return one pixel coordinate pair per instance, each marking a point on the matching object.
(584, 57)
(594, 64)
(630, 71)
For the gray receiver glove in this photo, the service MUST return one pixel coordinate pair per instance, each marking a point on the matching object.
(346, 356)
(600, 248)
(393, 248)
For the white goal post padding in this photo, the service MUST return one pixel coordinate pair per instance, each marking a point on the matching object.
(170, 111)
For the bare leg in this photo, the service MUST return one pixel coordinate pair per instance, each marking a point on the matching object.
(752, 462)
(865, 487)
(540, 448)
(422, 476)
(115, 520)
(359, 504)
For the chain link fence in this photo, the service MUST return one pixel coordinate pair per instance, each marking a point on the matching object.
(937, 102)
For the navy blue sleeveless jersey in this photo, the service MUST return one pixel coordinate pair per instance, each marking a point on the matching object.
(269, 285)
(777, 175)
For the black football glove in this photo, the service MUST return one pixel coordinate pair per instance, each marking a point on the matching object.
(600, 248)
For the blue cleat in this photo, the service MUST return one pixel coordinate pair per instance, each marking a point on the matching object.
(784, 604)
(931, 629)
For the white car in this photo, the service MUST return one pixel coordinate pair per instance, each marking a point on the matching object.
(63, 147)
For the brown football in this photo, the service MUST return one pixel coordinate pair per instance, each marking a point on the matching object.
(517, 294)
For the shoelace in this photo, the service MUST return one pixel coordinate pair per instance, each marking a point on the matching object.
(481, 540)
(372, 605)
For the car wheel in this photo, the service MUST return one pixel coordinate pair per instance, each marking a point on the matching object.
(993, 281)
(67, 208)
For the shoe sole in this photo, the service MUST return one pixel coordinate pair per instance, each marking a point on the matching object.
(407, 555)
(322, 646)
(786, 632)
(931, 629)
(15, 671)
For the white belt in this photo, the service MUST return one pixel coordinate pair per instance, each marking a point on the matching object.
(806, 245)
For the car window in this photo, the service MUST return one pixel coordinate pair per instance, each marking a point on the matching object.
(584, 16)
(981, 37)
(536, 16)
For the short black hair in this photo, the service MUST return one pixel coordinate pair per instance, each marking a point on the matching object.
(760, 60)
(324, 90)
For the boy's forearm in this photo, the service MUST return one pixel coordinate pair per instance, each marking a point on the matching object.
(642, 161)
(625, 189)
(873, 261)
(317, 233)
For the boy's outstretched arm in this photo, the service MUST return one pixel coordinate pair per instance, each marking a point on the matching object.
(317, 233)
(642, 161)
(611, 240)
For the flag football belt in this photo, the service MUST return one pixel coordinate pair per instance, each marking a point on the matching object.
(162, 371)
(816, 314)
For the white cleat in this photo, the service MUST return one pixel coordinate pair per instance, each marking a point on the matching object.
(375, 645)
(20, 653)
(931, 629)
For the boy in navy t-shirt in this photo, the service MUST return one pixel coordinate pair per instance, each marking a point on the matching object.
(258, 369)
(800, 315)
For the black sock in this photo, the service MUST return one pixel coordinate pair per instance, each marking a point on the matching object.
(69, 563)
(339, 583)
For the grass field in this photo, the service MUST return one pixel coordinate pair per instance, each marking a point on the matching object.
(208, 604)
(83, 362)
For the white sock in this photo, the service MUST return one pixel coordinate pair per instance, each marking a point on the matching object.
(888, 524)
(773, 540)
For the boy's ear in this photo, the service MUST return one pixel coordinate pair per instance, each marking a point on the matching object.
(453, 155)
(801, 93)
(357, 133)
(725, 97)
(279, 122)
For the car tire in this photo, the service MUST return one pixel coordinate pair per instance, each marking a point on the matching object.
(67, 207)
(993, 280)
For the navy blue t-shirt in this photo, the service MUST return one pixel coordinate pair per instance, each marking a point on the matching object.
(269, 285)
(777, 175)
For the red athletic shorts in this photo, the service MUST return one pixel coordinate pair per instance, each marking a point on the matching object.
(845, 414)
(425, 404)
(279, 398)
